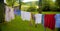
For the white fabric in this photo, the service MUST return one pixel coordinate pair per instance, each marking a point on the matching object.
(7, 14)
(25, 15)
(22, 15)
(12, 13)
(38, 18)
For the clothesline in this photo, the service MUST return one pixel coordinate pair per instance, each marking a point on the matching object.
(48, 20)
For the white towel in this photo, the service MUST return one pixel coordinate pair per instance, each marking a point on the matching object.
(12, 13)
(22, 15)
(7, 14)
(38, 18)
(27, 16)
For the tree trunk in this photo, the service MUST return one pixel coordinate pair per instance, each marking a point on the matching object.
(20, 4)
(40, 6)
(1, 13)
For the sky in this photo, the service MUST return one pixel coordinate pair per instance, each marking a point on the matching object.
(4, 1)
(54, 0)
(24, 0)
(28, 0)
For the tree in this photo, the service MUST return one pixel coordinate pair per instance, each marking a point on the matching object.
(31, 9)
(58, 3)
(20, 3)
(11, 2)
(1, 13)
(51, 5)
(40, 6)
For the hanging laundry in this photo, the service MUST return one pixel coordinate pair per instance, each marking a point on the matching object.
(42, 19)
(49, 21)
(12, 13)
(27, 16)
(7, 14)
(23, 15)
(57, 18)
(17, 12)
(38, 18)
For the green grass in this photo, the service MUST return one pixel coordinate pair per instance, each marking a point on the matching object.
(19, 25)
(50, 12)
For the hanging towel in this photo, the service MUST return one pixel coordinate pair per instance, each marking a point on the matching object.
(49, 21)
(7, 14)
(27, 16)
(57, 18)
(12, 13)
(23, 15)
(38, 18)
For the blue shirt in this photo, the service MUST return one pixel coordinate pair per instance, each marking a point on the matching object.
(57, 18)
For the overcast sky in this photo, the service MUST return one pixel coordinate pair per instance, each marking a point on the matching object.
(24, 0)
(29, 0)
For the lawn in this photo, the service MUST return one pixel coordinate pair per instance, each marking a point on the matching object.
(50, 12)
(20, 25)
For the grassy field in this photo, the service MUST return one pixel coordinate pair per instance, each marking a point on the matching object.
(19, 25)
(50, 12)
